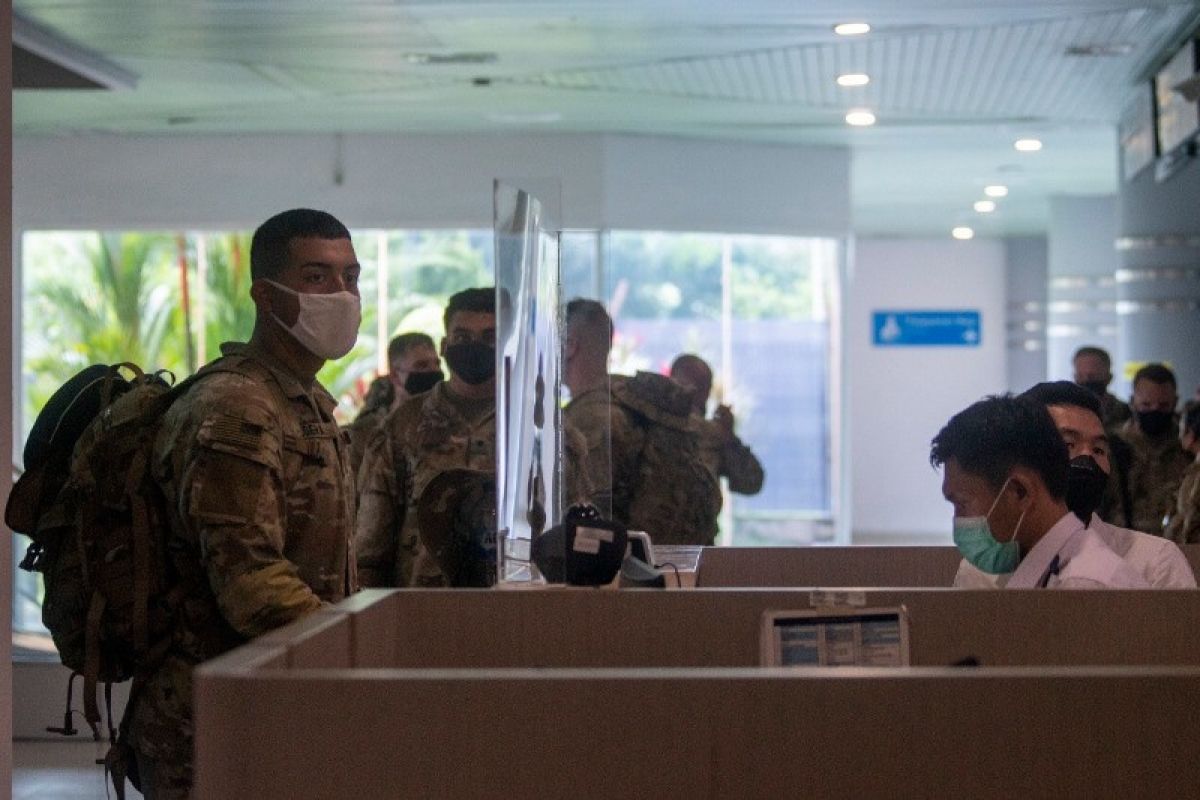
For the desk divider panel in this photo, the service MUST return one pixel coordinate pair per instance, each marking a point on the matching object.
(827, 566)
(982, 733)
(720, 627)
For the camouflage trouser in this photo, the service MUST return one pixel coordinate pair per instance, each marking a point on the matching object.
(162, 780)
(161, 732)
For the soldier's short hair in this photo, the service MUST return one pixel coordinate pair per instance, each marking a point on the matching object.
(1095, 352)
(1155, 373)
(591, 319)
(691, 361)
(400, 345)
(998, 433)
(479, 301)
(269, 247)
(1064, 393)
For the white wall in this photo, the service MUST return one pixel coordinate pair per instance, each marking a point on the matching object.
(899, 398)
(435, 181)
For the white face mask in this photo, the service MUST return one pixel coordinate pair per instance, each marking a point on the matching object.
(327, 324)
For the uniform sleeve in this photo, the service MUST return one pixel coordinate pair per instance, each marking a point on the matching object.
(741, 467)
(381, 507)
(230, 492)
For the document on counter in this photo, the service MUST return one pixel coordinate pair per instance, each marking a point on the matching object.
(851, 637)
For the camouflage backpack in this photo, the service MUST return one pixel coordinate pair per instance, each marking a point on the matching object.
(675, 498)
(96, 518)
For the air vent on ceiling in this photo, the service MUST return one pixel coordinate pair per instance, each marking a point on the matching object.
(1112, 50)
(43, 60)
(442, 59)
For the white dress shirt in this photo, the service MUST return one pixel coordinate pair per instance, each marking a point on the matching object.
(1070, 556)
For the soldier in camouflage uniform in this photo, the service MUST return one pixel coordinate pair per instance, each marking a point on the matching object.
(1093, 371)
(643, 460)
(1184, 524)
(1157, 461)
(257, 481)
(413, 368)
(721, 450)
(451, 426)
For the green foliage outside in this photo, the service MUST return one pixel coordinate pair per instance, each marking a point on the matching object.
(678, 276)
(94, 298)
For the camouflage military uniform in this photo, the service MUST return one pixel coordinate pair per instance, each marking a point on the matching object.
(260, 499)
(727, 457)
(1113, 411)
(611, 443)
(1155, 470)
(671, 495)
(1184, 525)
(425, 436)
(362, 431)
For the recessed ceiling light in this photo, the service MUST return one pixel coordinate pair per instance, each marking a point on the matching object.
(851, 28)
(962, 233)
(860, 118)
(853, 79)
(996, 190)
(1028, 145)
(985, 206)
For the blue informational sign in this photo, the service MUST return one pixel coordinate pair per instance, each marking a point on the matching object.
(926, 328)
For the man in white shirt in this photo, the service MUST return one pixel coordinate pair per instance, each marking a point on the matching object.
(1006, 474)
(1077, 415)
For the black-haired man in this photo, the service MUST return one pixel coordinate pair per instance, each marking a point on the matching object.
(452, 426)
(1184, 524)
(1093, 371)
(1076, 413)
(1157, 462)
(256, 477)
(413, 368)
(643, 447)
(1006, 475)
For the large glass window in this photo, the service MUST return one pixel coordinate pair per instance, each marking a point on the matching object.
(167, 300)
(758, 310)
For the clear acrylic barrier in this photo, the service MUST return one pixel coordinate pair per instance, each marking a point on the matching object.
(529, 452)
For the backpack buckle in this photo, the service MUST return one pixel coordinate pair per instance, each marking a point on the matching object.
(32, 562)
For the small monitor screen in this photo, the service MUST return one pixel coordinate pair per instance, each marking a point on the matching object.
(1178, 119)
(835, 638)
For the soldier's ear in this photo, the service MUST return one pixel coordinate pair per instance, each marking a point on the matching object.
(260, 293)
(442, 348)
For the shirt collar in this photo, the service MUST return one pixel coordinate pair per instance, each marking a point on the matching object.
(1033, 567)
(289, 383)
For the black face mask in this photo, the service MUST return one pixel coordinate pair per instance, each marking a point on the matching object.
(474, 362)
(1155, 423)
(1085, 487)
(1098, 388)
(419, 382)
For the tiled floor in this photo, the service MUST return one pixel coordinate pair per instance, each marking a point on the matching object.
(60, 771)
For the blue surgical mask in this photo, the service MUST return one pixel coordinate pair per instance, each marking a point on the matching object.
(973, 538)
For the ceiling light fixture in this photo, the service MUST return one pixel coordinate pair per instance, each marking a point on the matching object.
(1028, 145)
(860, 118)
(996, 190)
(851, 79)
(985, 206)
(962, 233)
(851, 28)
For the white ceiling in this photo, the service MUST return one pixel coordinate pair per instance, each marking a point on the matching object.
(954, 82)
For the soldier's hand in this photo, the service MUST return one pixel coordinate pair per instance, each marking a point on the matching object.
(724, 418)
